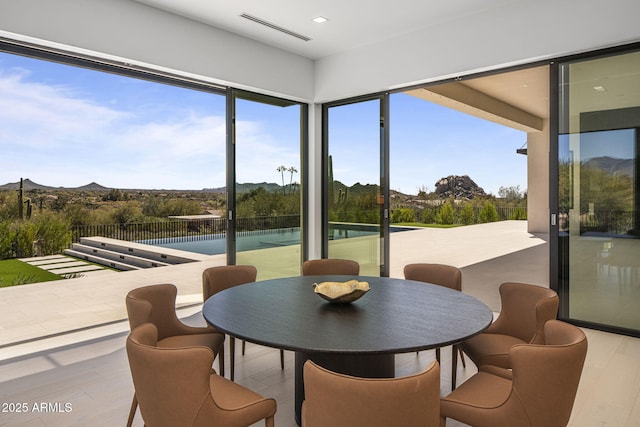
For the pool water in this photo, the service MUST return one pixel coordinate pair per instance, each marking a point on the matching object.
(262, 239)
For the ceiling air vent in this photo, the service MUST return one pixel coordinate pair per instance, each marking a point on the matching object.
(275, 27)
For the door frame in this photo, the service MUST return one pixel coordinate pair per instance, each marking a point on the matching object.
(384, 133)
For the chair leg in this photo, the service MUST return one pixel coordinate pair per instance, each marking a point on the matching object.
(269, 422)
(281, 359)
(221, 360)
(464, 365)
(132, 411)
(454, 366)
(232, 357)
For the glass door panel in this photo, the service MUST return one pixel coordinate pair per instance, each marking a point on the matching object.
(599, 199)
(355, 200)
(267, 220)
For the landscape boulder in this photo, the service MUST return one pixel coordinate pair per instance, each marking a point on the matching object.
(458, 187)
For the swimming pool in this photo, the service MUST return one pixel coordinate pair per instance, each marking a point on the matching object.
(261, 239)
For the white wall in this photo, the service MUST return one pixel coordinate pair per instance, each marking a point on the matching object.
(538, 213)
(139, 34)
(519, 32)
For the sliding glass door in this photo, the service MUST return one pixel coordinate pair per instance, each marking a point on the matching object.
(599, 191)
(356, 184)
(264, 177)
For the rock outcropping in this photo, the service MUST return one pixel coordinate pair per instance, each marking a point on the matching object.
(458, 187)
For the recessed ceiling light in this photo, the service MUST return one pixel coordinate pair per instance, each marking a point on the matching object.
(320, 19)
(599, 88)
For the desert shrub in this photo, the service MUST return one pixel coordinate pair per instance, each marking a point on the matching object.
(54, 231)
(128, 212)
(428, 216)
(519, 214)
(7, 239)
(446, 215)
(488, 213)
(467, 214)
(17, 237)
(403, 215)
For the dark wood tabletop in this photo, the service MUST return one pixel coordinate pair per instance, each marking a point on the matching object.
(395, 316)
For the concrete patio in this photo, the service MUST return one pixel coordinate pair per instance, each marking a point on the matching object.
(488, 254)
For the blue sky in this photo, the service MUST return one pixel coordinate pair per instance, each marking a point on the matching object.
(68, 126)
(428, 142)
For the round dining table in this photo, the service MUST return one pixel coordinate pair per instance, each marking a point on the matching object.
(358, 338)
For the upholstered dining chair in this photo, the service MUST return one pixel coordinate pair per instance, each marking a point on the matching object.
(177, 387)
(524, 312)
(539, 391)
(333, 399)
(447, 276)
(216, 279)
(321, 267)
(156, 304)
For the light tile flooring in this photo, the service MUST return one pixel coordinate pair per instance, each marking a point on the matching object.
(93, 377)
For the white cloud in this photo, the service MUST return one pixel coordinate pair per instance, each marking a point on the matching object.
(57, 137)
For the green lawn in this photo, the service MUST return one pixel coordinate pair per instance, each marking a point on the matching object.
(14, 272)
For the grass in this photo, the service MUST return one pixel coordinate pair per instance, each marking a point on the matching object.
(14, 272)
(420, 224)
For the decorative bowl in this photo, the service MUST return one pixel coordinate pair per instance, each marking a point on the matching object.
(341, 292)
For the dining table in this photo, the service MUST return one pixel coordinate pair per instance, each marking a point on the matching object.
(358, 338)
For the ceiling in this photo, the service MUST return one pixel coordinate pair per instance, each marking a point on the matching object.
(355, 23)
(351, 23)
(518, 99)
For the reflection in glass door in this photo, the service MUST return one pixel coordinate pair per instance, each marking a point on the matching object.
(267, 191)
(599, 191)
(355, 199)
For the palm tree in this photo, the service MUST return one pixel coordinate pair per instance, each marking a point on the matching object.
(282, 169)
(293, 170)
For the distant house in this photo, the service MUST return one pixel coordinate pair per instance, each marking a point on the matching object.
(199, 222)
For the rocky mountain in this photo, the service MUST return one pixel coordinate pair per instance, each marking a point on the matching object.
(612, 165)
(27, 184)
(92, 187)
(246, 187)
(458, 187)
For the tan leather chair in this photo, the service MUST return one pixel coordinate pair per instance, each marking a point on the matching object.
(447, 276)
(538, 392)
(333, 399)
(216, 279)
(156, 304)
(525, 310)
(323, 267)
(176, 387)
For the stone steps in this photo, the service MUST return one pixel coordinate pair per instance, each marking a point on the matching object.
(123, 255)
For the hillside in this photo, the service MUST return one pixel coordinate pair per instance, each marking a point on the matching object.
(28, 185)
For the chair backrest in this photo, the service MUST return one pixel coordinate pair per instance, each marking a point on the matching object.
(324, 267)
(546, 377)
(438, 274)
(216, 279)
(525, 310)
(333, 399)
(154, 304)
(172, 385)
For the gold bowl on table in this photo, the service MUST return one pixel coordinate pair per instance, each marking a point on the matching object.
(341, 292)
